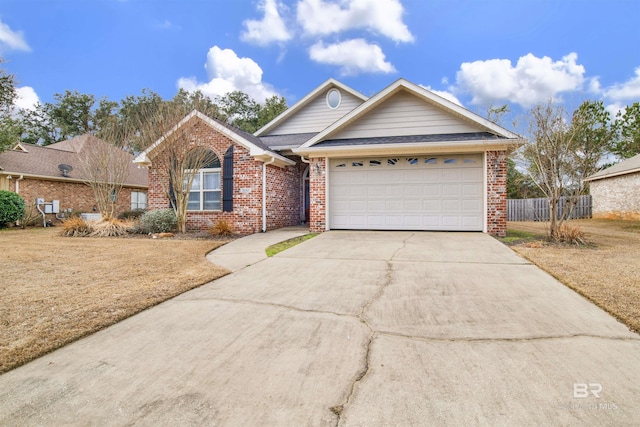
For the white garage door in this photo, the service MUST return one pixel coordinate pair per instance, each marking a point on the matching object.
(407, 193)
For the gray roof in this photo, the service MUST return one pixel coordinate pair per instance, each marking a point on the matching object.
(446, 137)
(631, 165)
(276, 142)
(44, 161)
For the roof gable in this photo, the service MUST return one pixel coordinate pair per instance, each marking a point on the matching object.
(257, 148)
(386, 113)
(312, 114)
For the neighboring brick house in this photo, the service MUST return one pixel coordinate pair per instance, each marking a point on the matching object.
(53, 173)
(615, 191)
(404, 159)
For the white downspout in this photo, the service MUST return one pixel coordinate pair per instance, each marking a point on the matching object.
(264, 193)
(18, 184)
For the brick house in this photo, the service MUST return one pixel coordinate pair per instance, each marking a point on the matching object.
(53, 172)
(403, 159)
(615, 191)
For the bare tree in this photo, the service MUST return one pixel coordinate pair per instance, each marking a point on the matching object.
(105, 167)
(176, 154)
(562, 151)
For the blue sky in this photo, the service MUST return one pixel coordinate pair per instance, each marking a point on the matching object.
(478, 52)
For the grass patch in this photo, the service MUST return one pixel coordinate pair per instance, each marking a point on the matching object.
(520, 236)
(55, 290)
(606, 271)
(283, 246)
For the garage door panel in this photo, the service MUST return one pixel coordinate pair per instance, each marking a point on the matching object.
(471, 174)
(432, 190)
(451, 190)
(473, 190)
(411, 192)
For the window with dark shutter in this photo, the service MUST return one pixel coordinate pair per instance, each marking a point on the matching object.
(227, 181)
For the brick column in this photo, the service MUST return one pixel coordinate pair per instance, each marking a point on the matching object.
(497, 193)
(317, 194)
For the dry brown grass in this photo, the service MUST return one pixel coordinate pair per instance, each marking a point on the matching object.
(57, 289)
(606, 271)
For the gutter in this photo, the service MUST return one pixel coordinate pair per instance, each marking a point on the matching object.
(264, 193)
(407, 148)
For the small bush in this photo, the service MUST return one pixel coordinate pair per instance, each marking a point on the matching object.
(569, 234)
(75, 227)
(158, 221)
(134, 214)
(221, 228)
(31, 216)
(12, 207)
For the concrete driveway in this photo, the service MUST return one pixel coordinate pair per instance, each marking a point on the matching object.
(354, 329)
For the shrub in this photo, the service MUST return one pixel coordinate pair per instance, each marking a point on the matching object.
(75, 227)
(134, 214)
(31, 216)
(12, 207)
(221, 228)
(158, 221)
(569, 234)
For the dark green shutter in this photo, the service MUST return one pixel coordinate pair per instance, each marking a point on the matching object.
(227, 181)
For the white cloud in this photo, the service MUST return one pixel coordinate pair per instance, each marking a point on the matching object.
(629, 90)
(13, 40)
(444, 94)
(27, 98)
(168, 25)
(228, 72)
(531, 81)
(320, 17)
(270, 29)
(352, 56)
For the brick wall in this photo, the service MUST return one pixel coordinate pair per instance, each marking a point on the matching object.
(284, 195)
(283, 188)
(497, 193)
(317, 194)
(617, 197)
(72, 195)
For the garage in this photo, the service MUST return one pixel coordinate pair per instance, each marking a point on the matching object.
(422, 192)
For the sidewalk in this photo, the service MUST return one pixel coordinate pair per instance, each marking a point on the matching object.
(249, 250)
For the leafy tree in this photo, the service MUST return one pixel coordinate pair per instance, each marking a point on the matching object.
(9, 128)
(271, 109)
(38, 127)
(239, 110)
(591, 123)
(627, 132)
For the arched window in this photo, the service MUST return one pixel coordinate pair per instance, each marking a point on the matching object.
(204, 194)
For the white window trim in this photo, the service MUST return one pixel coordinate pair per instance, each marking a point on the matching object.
(202, 191)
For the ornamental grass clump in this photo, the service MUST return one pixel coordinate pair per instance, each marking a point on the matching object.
(75, 227)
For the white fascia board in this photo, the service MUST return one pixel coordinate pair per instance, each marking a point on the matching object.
(405, 148)
(143, 158)
(392, 89)
(611, 175)
(304, 101)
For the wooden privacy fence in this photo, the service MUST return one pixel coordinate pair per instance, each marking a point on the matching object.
(538, 209)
